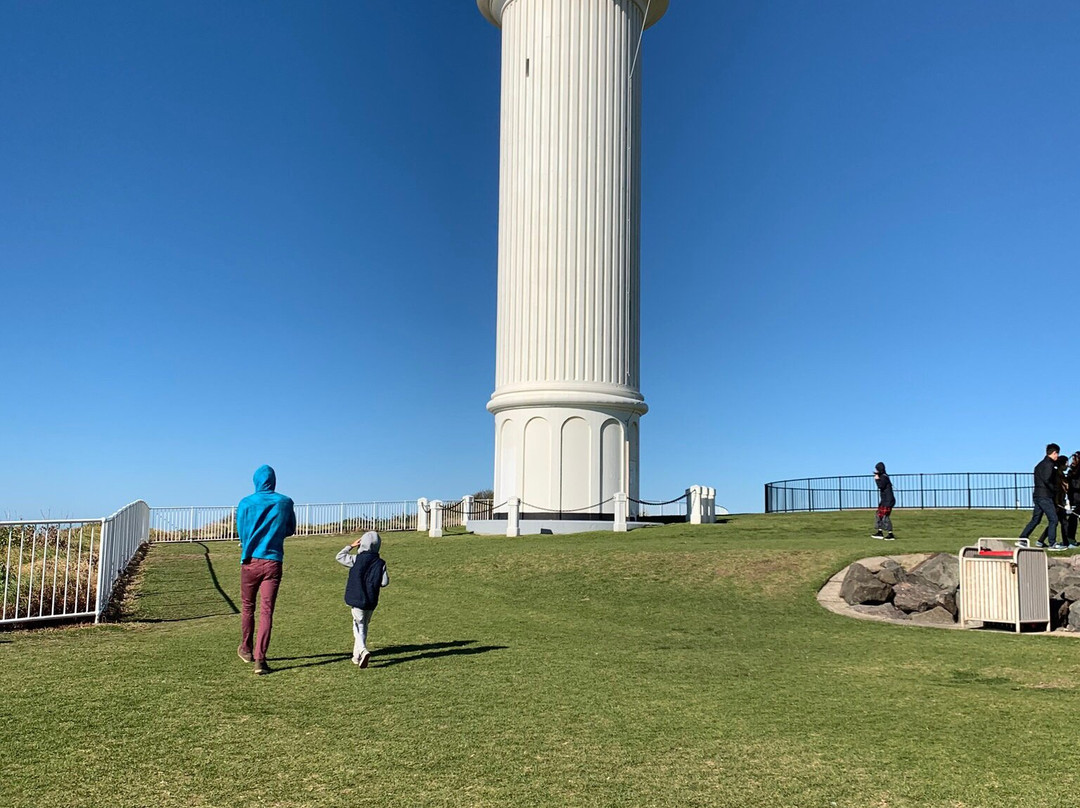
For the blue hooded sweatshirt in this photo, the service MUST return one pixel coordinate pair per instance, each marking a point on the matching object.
(264, 519)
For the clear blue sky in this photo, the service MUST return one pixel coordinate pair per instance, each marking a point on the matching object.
(245, 232)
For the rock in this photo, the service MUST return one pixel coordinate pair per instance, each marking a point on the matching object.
(891, 573)
(916, 596)
(872, 564)
(941, 570)
(861, 586)
(1074, 619)
(947, 599)
(1059, 613)
(1071, 593)
(937, 616)
(1062, 576)
(886, 610)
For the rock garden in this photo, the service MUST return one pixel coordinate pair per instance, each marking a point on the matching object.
(924, 589)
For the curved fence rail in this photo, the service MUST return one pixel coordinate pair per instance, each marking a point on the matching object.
(964, 489)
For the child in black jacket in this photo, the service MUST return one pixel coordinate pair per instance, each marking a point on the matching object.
(886, 502)
(367, 576)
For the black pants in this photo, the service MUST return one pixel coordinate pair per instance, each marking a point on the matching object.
(1068, 530)
(1042, 505)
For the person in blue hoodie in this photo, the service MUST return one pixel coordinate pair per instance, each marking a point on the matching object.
(367, 576)
(263, 520)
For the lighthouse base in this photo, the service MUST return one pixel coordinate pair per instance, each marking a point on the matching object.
(567, 459)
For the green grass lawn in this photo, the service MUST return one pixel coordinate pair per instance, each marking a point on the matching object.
(675, 666)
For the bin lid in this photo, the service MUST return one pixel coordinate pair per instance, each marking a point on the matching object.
(996, 553)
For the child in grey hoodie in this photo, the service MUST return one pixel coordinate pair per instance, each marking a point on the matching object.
(367, 576)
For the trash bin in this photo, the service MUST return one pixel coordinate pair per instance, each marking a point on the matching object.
(1003, 583)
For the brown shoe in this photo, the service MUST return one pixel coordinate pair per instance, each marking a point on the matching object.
(244, 655)
(261, 668)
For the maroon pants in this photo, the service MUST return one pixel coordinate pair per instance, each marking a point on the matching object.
(260, 575)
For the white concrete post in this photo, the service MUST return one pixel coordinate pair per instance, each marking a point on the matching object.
(620, 512)
(710, 506)
(513, 517)
(695, 503)
(435, 531)
(466, 509)
(421, 514)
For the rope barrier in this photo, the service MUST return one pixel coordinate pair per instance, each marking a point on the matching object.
(650, 502)
(567, 510)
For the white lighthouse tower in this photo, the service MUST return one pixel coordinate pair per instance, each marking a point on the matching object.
(567, 399)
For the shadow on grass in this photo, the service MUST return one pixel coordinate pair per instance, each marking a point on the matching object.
(320, 659)
(222, 599)
(431, 646)
(435, 650)
(413, 653)
(214, 578)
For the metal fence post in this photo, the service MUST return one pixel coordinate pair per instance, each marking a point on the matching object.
(969, 490)
(341, 529)
(840, 491)
(922, 502)
(103, 550)
(809, 496)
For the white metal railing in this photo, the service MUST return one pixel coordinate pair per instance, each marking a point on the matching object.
(50, 568)
(328, 519)
(218, 522)
(199, 523)
(122, 535)
(58, 568)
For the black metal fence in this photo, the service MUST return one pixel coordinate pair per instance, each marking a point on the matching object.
(964, 489)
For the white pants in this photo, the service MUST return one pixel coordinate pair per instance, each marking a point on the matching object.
(360, 620)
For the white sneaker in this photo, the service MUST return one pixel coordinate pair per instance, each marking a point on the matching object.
(364, 657)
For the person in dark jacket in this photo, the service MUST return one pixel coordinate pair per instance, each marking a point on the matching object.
(886, 502)
(1061, 491)
(263, 520)
(367, 577)
(1072, 484)
(1042, 496)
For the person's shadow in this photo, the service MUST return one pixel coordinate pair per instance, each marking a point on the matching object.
(190, 595)
(390, 655)
(400, 654)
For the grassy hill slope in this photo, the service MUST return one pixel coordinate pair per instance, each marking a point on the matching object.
(676, 666)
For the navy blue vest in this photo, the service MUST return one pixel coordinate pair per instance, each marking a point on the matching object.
(365, 581)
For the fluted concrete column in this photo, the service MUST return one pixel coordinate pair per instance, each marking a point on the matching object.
(567, 398)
